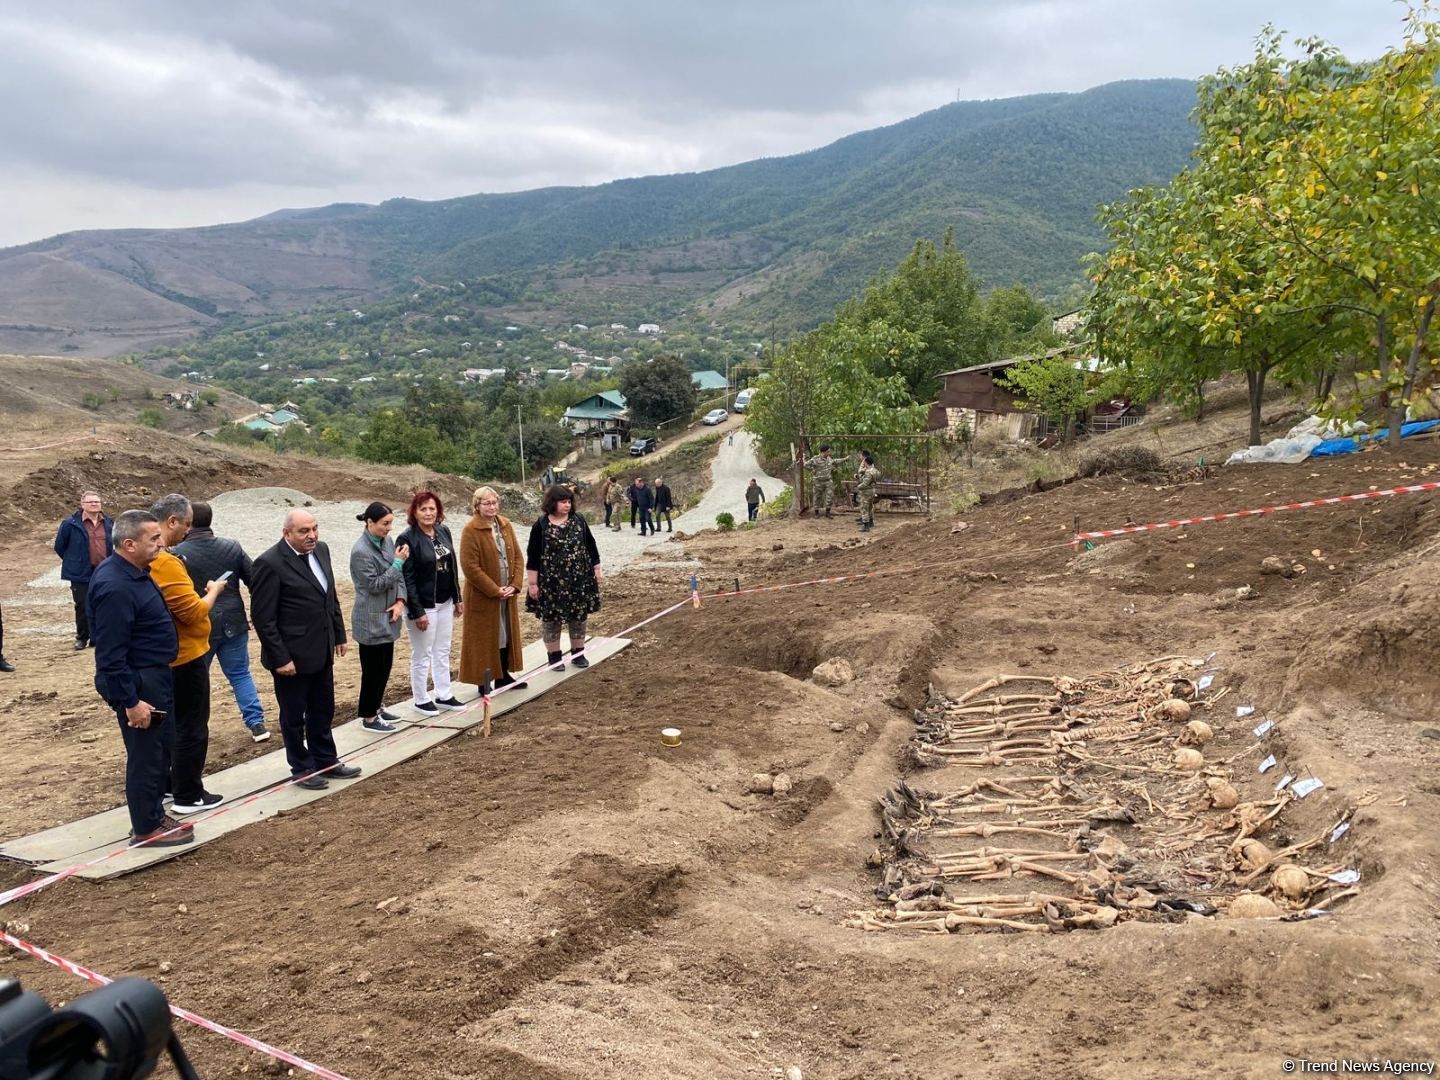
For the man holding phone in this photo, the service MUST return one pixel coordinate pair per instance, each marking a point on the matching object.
(135, 641)
(215, 558)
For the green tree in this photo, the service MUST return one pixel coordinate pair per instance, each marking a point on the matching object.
(1054, 387)
(657, 390)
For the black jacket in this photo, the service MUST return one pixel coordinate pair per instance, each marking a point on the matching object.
(663, 501)
(422, 566)
(294, 620)
(642, 498)
(207, 556)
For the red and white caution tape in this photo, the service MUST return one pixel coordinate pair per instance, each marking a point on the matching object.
(1306, 505)
(184, 1014)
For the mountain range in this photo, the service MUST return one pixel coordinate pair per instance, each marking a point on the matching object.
(773, 241)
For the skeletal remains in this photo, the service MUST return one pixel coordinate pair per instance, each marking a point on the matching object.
(1101, 787)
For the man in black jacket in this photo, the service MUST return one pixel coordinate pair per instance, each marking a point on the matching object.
(297, 618)
(207, 556)
(632, 494)
(664, 503)
(642, 499)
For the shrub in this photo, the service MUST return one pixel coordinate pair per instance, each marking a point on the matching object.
(153, 418)
(964, 500)
(725, 521)
(779, 506)
(91, 401)
(1134, 461)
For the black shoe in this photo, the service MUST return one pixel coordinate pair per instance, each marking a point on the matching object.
(313, 783)
(388, 716)
(449, 703)
(207, 801)
(6, 665)
(344, 772)
(374, 723)
(553, 660)
(428, 708)
(80, 644)
(577, 659)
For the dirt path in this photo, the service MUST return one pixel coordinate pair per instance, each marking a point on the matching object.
(589, 468)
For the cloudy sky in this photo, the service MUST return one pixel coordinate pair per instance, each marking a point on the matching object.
(178, 112)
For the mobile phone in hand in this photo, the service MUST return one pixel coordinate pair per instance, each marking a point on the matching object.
(225, 576)
(157, 714)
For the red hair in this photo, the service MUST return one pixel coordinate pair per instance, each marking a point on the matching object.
(420, 499)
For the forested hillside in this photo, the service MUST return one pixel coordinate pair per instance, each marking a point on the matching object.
(777, 240)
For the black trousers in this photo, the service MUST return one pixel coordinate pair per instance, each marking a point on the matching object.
(307, 709)
(608, 511)
(656, 523)
(191, 743)
(634, 510)
(147, 751)
(754, 510)
(375, 664)
(79, 590)
(645, 522)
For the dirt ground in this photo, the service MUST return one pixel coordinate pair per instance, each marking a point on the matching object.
(581, 902)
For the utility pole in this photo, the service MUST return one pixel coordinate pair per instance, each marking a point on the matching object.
(521, 422)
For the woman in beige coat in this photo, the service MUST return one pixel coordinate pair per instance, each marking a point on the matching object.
(493, 565)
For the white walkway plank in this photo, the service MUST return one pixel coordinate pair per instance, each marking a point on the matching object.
(77, 843)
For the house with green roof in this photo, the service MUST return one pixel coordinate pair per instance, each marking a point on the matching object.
(708, 381)
(600, 417)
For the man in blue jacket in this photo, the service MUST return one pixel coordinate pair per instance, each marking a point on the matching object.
(83, 542)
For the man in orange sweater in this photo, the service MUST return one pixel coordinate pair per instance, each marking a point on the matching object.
(191, 614)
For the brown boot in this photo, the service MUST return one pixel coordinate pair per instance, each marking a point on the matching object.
(169, 833)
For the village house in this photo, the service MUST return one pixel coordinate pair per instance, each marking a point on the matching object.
(708, 382)
(600, 421)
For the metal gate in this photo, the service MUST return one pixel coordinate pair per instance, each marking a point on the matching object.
(904, 462)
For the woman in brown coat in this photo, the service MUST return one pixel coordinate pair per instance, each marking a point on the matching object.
(493, 565)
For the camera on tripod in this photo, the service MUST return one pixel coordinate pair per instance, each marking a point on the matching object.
(117, 1032)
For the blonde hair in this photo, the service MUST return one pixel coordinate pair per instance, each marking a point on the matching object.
(482, 493)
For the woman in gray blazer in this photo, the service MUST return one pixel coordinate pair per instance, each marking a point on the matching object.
(377, 568)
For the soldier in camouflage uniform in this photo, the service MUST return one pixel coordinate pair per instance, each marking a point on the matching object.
(824, 468)
(865, 479)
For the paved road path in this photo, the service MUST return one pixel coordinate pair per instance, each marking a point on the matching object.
(730, 473)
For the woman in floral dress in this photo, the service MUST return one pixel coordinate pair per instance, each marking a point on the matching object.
(562, 575)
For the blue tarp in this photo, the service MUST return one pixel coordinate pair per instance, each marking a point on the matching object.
(1336, 447)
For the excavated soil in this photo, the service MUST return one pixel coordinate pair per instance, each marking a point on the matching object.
(575, 900)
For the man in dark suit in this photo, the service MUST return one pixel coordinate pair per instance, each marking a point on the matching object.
(297, 619)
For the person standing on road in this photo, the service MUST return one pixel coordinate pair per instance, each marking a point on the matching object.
(432, 601)
(644, 501)
(631, 494)
(753, 498)
(562, 574)
(607, 497)
(83, 542)
(135, 640)
(664, 503)
(377, 569)
(824, 470)
(207, 556)
(865, 479)
(494, 569)
(297, 619)
(191, 668)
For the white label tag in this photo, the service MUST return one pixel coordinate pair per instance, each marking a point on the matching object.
(1339, 831)
(1207, 659)
(1267, 764)
(1263, 728)
(1244, 710)
(1284, 782)
(1205, 681)
(1345, 877)
(1305, 787)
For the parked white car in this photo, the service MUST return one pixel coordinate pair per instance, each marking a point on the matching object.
(715, 416)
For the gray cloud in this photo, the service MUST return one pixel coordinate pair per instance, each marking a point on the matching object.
(197, 112)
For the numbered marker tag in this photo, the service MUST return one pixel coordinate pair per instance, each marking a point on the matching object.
(1263, 728)
(1244, 710)
(1305, 787)
(1284, 782)
(1207, 659)
(1267, 764)
(1205, 681)
(1339, 831)
(1345, 877)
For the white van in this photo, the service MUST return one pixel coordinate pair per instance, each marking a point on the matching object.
(742, 399)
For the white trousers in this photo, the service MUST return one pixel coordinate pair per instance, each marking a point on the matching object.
(430, 652)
